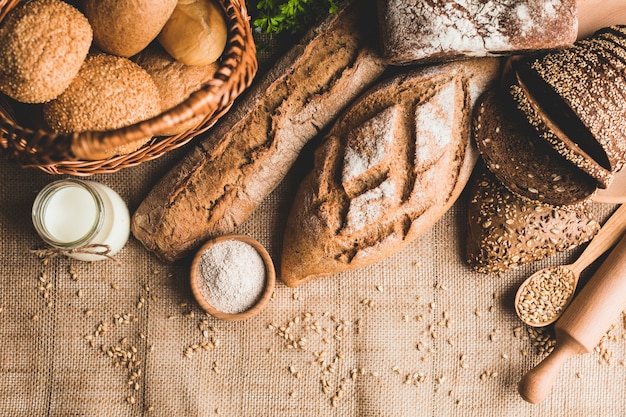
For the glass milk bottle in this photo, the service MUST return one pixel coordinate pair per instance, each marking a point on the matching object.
(83, 219)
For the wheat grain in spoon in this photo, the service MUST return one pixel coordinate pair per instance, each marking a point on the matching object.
(542, 297)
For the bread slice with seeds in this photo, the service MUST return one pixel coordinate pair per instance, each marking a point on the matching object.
(524, 163)
(506, 231)
(582, 90)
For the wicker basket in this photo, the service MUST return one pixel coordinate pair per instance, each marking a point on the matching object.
(69, 154)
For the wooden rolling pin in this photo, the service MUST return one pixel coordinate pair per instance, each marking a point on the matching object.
(584, 322)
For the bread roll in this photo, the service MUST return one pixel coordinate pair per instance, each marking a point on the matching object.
(109, 92)
(124, 28)
(389, 168)
(417, 31)
(43, 43)
(506, 231)
(174, 80)
(196, 32)
(250, 150)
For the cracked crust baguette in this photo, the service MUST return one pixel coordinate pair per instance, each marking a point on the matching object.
(388, 169)
(244, 157)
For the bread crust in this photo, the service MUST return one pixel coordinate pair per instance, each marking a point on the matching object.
(246, 155)
(389, 168)
(417, 31)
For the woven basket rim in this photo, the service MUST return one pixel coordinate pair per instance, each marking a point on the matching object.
(61, 153)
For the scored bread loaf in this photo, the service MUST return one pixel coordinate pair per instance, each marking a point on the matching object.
(388, 169)
(506, 231)
(417, 31)
(244, 157)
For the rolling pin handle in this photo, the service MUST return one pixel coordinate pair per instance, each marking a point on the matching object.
(536, 384)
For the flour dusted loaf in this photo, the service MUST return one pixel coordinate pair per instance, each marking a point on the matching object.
(416, 31)
(244, 157)
(389, 168)
(506, 231)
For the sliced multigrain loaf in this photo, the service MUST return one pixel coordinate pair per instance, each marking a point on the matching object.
(537, 112)
(582, 89)
(417, 31)
(523, 162)
(506, 231)
(244, 157)
(388, 169)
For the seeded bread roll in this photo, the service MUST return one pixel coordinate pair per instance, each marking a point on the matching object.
(174, 80)
(417, 31)
(506, 231)
(43, 43)
(525, 164)
(109, 92)
(389, 168)
(244, 157)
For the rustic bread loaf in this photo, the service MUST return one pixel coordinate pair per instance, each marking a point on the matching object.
(506, 231)
(525, 164)
(416, 31)
(244, 157)
(388, 169)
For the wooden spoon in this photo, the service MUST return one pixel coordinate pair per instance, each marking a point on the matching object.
(542, 297)
(583, 324)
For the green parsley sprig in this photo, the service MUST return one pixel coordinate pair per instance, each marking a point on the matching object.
(276, 17)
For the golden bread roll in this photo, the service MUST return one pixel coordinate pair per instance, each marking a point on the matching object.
(43, 43)
(109, 92)
(126, 27)
(196, 32)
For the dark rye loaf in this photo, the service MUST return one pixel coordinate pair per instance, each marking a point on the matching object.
(525, 164)
(417, 31)
(388, 169)
(245, 156)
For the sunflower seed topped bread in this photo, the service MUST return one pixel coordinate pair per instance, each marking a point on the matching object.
(415, 31)
(43, 44)
(506, 231)
(219, 183)
(388, 169)
(525, 164)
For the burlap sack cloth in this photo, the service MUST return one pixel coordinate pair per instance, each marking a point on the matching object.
(419, 334)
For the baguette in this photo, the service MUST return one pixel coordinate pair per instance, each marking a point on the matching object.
(389, 168)
(245, 156)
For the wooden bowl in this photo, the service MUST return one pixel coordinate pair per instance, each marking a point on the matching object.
(268, 288)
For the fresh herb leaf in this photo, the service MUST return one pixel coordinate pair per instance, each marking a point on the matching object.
(291, 16)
